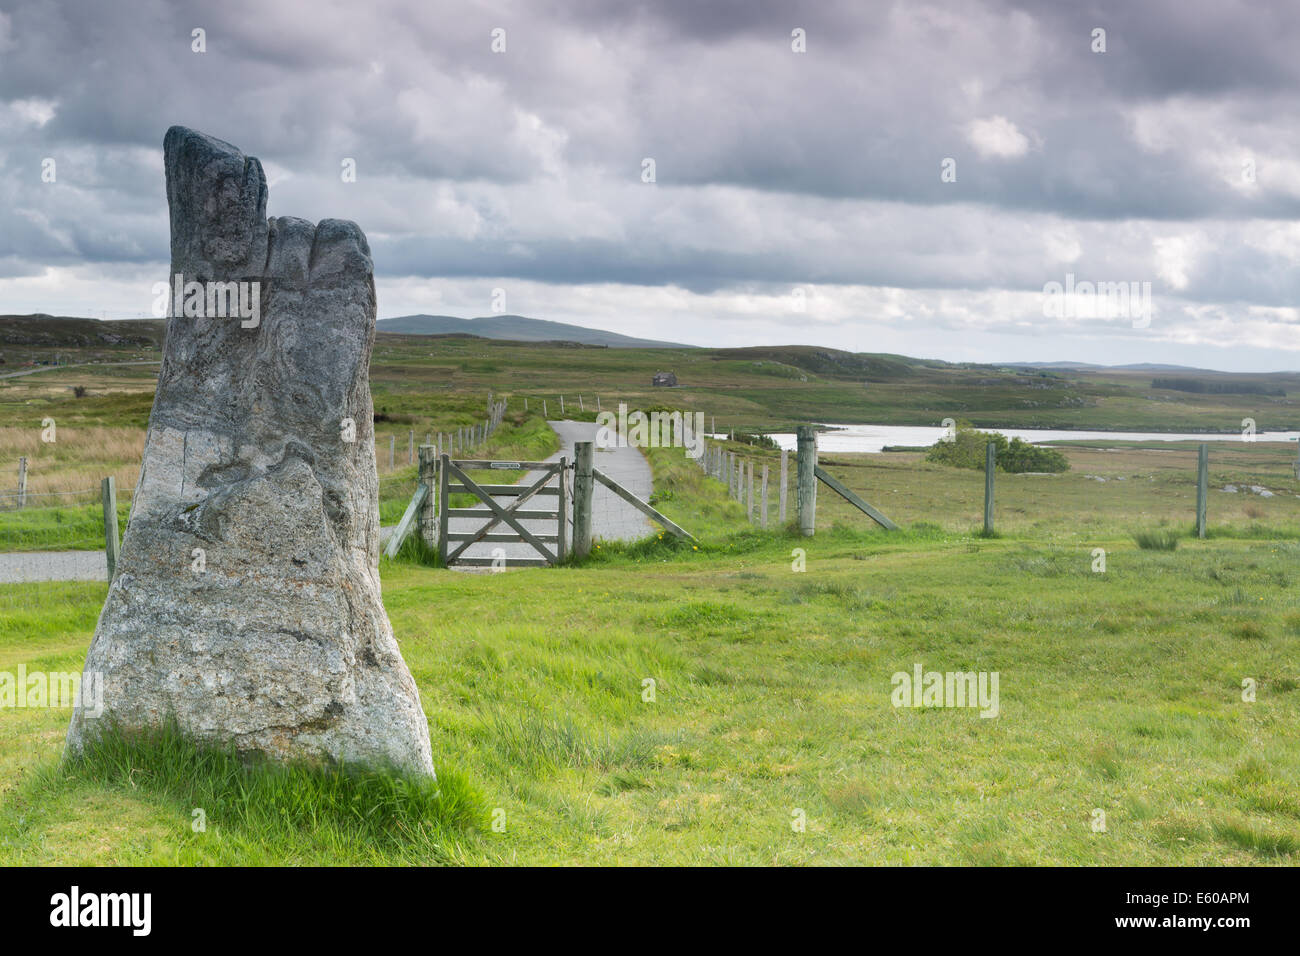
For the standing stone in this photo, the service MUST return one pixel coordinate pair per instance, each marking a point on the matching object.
(247, 605)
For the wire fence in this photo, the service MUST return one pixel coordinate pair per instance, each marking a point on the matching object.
(52, 536)
(1252, 489)
(762, 486)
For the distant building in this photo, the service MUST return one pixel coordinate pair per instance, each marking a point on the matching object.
(665, 379)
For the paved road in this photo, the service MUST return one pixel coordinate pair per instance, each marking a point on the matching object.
(612, 518)
(53, 566)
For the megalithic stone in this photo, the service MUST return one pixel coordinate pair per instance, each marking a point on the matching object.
(246, 605)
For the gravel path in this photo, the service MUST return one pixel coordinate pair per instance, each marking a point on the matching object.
(612, 518)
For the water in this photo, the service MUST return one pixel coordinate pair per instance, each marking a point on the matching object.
(873, 438)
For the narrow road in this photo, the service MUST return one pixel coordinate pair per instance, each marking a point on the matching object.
(612, 518)
(19, 566)
(55, 368)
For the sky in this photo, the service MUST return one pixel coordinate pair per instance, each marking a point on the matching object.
(911, 177)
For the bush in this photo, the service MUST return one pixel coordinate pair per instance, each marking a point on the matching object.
(756, 440)
(967, 450)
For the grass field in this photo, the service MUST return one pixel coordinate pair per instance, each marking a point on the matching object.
(1122, 692)
(1119, 692)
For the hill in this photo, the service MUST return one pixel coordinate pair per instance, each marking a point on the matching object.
(516, 328)
(59, 331)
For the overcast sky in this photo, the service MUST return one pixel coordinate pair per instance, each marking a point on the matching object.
(798, 196)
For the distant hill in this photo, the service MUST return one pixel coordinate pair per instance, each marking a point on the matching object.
(517, 328)
(60, 331)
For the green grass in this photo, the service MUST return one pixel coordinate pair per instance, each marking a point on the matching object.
(1119, 691)
(78, 528)
(260, 812)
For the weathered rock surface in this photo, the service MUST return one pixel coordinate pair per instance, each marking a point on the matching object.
(246, 604)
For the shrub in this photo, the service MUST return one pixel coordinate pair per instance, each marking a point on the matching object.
(756, 440)
(966, 449)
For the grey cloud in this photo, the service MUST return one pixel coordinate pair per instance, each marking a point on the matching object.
(856, 127)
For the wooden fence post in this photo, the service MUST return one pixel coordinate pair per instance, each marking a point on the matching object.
(584, 456)
(806, 480)
(764, 517)
(108, 493)
(22, 482)
(561, 404)
(785, 467)
(990, 471)
(410, 447)
(1202, 486)
(749, 491)
(545, 414)
(392, 451)
(428, 518)
(525, 403)
(581, 407)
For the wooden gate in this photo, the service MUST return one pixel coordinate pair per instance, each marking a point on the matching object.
(549, 548)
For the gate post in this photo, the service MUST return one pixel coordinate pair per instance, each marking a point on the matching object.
(442, 510)
(22, 482)
(583, 486)
(428, 476)
(806, 480)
